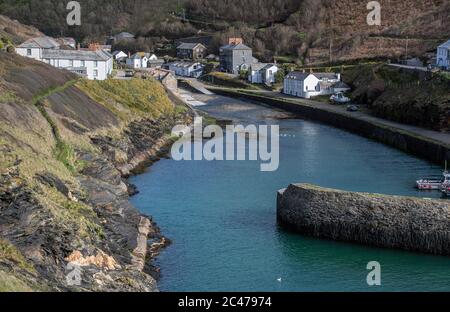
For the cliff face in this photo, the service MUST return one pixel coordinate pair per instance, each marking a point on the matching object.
(65, 147)
(410, 97)
(384, 221)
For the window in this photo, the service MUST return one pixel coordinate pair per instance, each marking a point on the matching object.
(70, 63)
(83, 63)
(95, 63)
(29, 52)
(95, 73)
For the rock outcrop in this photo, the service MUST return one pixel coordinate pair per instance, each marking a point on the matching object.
(415, 224)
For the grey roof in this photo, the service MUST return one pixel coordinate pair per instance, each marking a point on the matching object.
(302, 76)
(182, 64)
(445, 45)
(239, 46)
(189, 46)
(117, 52)
(40, 42)
(296, 75)
(98, 55)
(124, 35)
(341, 85)
(321, 76)
(261, 66)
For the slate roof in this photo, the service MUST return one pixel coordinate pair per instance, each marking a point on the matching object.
(98, 55)
(261, 66)
(189, 46)
(445, 45)
(182, 64)
(40, 42)
(296, 75)
(239, 46)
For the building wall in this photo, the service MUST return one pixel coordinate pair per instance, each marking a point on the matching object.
(36, 53)
(230, 60)
(443, 58)
(102, 68)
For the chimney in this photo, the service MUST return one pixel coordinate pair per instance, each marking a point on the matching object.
(129, 54)
(235, 41)
(338, 76)
(78, 46)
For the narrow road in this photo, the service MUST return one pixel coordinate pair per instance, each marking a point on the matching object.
(341, 109)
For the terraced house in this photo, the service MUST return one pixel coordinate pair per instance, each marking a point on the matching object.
(93, 65)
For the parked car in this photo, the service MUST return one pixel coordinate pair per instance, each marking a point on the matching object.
(352, 108)
(339, 98)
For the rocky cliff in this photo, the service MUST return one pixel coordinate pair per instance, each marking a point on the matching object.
(66, 147)
(377, 220)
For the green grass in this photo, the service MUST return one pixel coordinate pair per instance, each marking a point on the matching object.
(8, 96)
(228, 81)
(9, 252)
(129, 99)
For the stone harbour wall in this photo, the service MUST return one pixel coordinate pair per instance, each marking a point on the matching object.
(414, 224)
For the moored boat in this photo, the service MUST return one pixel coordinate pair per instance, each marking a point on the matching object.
(435, 182)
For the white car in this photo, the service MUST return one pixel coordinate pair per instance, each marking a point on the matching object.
(339, 98)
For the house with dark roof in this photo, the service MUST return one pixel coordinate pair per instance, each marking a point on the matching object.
(236, 56)
(191, 51)
(307, 85)
(33, 48)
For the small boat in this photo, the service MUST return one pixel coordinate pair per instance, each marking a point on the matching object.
(430, 183)
(340, 98)
(435, 182)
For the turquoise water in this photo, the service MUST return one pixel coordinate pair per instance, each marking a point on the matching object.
(221, 216)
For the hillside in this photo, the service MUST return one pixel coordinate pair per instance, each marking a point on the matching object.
(302, 30)
(417, 98)
(65, 145)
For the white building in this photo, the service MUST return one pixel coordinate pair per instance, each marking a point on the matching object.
(138, 60)
(443, 55)
(185, 69)
(306, 85)
(262, 73)
(33, 48)
(119, 55)
(94, 65)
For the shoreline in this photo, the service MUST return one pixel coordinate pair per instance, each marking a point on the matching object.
(426, 148)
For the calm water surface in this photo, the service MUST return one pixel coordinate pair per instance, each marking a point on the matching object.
(221, 216)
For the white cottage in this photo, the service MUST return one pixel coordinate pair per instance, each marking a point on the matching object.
(34, 48)
(138, 60)
(262, 73)
(443, 56)
(94, 65)
(185, 69)
(307, 85)
(119, 55)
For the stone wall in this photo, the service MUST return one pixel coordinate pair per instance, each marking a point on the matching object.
(407, 223)
(419, 146)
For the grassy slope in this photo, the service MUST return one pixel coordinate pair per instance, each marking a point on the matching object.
(31, 112)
